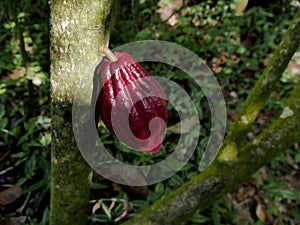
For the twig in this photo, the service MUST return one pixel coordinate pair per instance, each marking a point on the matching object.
(19, 33)
(134, 17)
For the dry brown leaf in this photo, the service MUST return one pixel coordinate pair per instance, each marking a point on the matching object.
(257, 198)
(96, 207)
(240, 7)
(260, 213)
(112, 205)
(173, 20)
(215, 22)
(14, 75)
(217, 69)
(267, 60)
(251, 192)
(290, 160)
(241, 194)
(13, 220)
(235, 58)
(126, 210)
(263, 174)
(216, 61)
(196, 21)
(10, 195)
(243, 216)
(295, 67)
(223, 58)
(167, 12)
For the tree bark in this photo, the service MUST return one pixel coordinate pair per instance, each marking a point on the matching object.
(265, 85)
(218, 179)
(235, 163)
(78, 27)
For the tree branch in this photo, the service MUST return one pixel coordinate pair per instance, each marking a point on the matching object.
(264, 86)
(218, 179)
(235, 164)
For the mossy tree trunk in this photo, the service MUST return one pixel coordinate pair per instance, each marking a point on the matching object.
(77, 29)
(237, 161)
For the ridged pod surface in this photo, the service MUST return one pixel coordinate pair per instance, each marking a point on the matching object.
(128, 100)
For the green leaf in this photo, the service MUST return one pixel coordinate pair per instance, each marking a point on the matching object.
(19, 155)
(198, 218)
(45, 139)
(2, 91)
(3, 123)
(2, 111)
(106, 210)
(297, 158)
(21, 15)
(159, 188)
(176, 180)
(139, 204)
(288, 194)
(36, 186)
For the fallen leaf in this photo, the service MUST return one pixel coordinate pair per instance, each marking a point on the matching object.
(96, 207)
(267, 60)
(241, 194)
(240, 7)
(294, 64)
(290, 160)
(235, 58)
(10, 195)
(260, 213)
(14, 75)
(173, 20)
(257, 198)
(251, 192)
(13, 220)
(263, 174)
(167, 12)
(124, 214)
(243, 216)
(223, 58)
(217, 69)
(112, 205)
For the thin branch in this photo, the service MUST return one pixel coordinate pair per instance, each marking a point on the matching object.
(218, 179)
(25, 59)
(265, 85)
(18, 30)
(236, 163)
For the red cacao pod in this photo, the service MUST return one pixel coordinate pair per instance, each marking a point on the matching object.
(131, 96)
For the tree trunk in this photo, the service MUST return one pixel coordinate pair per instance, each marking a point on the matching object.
(77, 29)
(235, 162)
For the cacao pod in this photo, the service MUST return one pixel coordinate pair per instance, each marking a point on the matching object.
(128, 100)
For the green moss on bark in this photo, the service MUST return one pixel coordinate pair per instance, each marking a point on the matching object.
(78, 27)
(218, 179)
(262, 90)
(236, 163)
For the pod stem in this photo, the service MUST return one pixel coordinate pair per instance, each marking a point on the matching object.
(109, 54)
